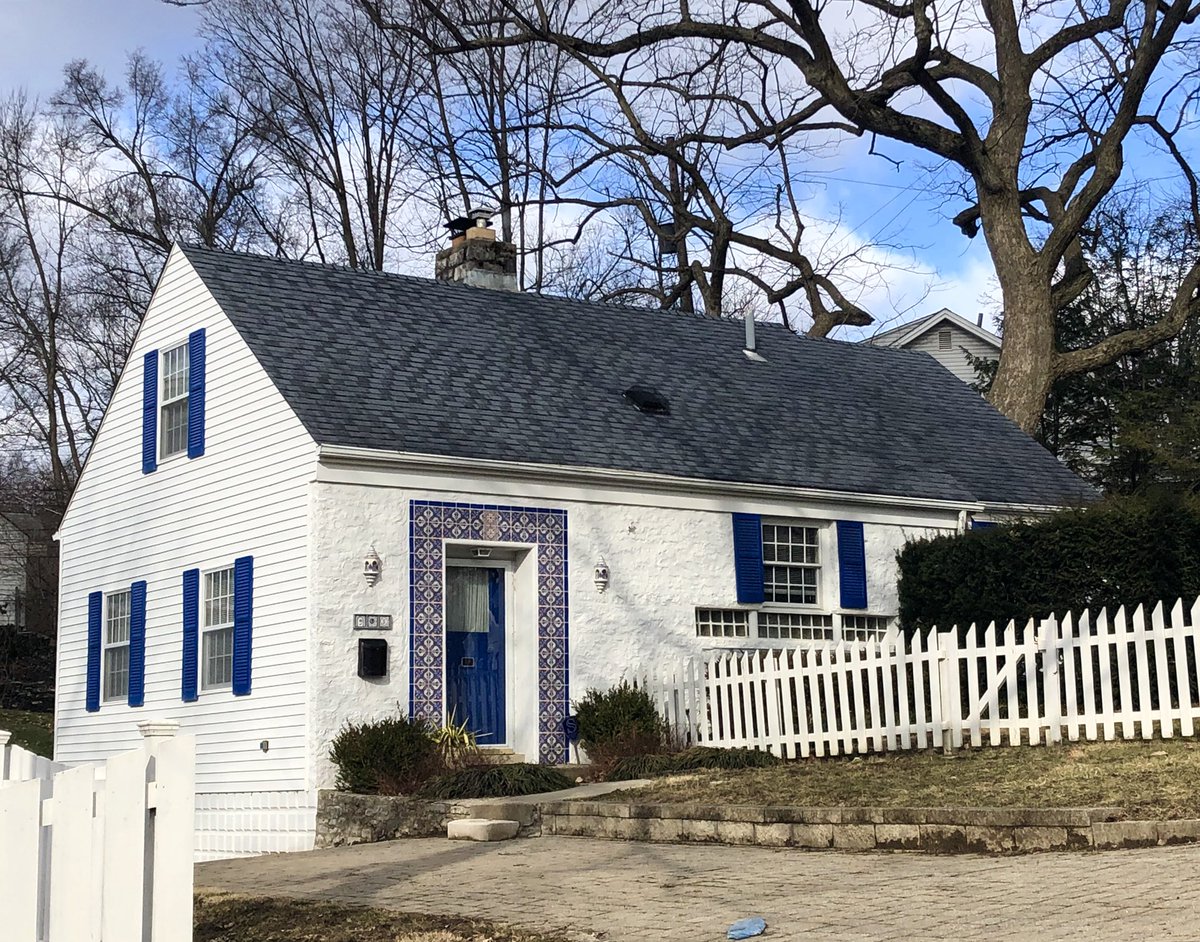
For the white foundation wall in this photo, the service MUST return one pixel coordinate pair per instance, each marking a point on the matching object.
(664, 562)
(247, 495)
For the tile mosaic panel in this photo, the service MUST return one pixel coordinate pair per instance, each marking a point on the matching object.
(434, 522)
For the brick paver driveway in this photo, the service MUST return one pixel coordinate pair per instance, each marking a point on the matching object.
(646, 892)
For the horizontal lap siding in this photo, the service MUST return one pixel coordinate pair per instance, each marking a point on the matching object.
(247, 495)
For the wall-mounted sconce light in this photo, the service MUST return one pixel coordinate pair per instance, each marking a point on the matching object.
(600, 576)
(372, 567)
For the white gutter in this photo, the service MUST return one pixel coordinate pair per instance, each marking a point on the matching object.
(352, 456)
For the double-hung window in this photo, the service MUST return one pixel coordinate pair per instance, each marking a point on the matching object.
(217, 630)
(791, 564)
(116, 645)
(173, 403)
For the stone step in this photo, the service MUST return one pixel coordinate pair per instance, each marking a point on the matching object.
(499, 755)
(482, 829)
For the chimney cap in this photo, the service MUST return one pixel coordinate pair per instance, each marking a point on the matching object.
(474, 219)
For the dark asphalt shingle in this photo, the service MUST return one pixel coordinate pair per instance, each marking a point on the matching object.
(408, 364)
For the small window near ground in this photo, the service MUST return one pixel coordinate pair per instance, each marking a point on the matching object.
(945, 340)
(795, 626)
(791, 563)
(722, 623)
(865, 627)
(116, 645)
(217, 630)
(173, 412)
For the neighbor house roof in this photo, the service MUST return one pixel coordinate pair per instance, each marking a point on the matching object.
(412, 365)
(905, 334)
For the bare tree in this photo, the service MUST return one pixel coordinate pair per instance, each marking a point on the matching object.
(1035, 105)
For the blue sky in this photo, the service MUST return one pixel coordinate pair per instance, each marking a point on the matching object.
(873, 200)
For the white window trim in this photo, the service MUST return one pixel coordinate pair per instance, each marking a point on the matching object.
(163, 401)
(106, 646)
(205, 687)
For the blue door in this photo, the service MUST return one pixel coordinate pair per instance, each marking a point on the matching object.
(475, 651)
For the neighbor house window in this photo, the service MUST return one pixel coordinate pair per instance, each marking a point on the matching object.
(791, 563)
(173, 411)
(216, 644)
(116, 645)
(722, 623)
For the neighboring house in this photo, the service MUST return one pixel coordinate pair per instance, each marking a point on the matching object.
(28, 571)
(948, 338)
(321, 494)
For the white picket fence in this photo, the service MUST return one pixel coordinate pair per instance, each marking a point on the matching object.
(98, 853)
(1123, 676)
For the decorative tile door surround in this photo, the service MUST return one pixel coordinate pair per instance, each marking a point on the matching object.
(432, 523)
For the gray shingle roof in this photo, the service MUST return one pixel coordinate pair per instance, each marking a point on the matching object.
(414, 365)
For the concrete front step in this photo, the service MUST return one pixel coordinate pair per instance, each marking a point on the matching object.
(482, 829)
(501, 756)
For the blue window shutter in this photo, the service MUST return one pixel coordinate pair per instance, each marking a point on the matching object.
(95, 607)
(748, 557)
(137, 644)
(191, 634)
(196, 393)
(852, 564)
(150, 412)
(243, 618)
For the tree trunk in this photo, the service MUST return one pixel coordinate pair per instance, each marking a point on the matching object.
(1026, 369)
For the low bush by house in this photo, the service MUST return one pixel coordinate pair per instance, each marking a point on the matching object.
(392, 756)
(617, 722)
(695, 759)
(496, 781)
(1122, 551)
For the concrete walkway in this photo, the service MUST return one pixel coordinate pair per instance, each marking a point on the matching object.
(647, 892)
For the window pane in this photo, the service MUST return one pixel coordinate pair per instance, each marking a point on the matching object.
(174, 427)
(466, 599)
(218, 657)
(722, 623)
(218, 598)
(796, 585)
(175, 370)
(116, 672)
(116, 620)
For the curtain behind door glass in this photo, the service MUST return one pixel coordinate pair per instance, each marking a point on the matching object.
(466, 599)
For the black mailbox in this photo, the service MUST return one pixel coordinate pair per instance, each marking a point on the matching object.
(372, 657)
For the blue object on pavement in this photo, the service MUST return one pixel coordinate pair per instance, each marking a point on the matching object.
(747, 928)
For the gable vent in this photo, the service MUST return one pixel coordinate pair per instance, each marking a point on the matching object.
(945, 340)
(648, 400)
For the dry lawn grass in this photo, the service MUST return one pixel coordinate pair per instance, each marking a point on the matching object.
(1158, 779)
(230, 918)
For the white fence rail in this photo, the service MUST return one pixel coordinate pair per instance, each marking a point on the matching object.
(1118, 676)
(99, 852)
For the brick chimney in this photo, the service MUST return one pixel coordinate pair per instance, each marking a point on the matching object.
(475, 256)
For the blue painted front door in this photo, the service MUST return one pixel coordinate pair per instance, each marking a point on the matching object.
(475, 651)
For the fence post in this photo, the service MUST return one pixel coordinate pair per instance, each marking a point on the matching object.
(947, 662)
(1048, 644)
(156, 732)
(5, 735)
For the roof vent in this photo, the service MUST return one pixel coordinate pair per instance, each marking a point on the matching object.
(648, 400)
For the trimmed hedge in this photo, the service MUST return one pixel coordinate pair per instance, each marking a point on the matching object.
(1120, 552)
(497, 781)
(695, 759)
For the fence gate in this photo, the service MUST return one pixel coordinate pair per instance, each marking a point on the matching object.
(100, 853)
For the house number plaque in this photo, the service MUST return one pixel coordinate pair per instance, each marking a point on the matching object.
(373, 622)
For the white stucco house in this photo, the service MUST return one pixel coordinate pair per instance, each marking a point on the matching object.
(948, 338)
(321, 494)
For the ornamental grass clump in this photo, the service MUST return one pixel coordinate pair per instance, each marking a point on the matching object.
(392, 756)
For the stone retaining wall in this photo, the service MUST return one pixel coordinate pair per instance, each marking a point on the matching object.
(930, 830)
(344, 818)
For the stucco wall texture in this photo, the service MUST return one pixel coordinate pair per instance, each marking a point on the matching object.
(663, 564)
